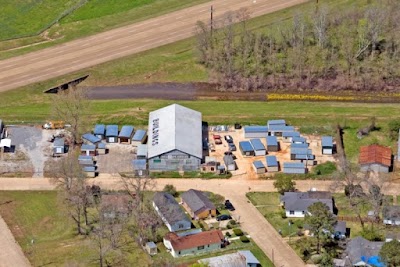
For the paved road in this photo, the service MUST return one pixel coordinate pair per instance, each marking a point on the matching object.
(86, 52)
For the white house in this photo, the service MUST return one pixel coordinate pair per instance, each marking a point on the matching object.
(296, 203)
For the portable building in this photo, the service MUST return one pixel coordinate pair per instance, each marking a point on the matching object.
(259, 167)
(89, 138)
(151, 248)
(141, 151)
(88, 150)
(112, 133)
(101, 149)
(140, 137)
(272, 164)
(59, 146)
(255, 131)
(299, 140)
(99, 131)
(294, 168)
(287, 137)
(376, 158)
(272, 143)
(2, 130)
(230, 163)
(258, 147)
(246, 148)
(300, 153)
(125, 135)
(90, 171)
(298, 145)
(139, 167)
(278, 130)
(276, 123)
(86, 160)
(327, 145)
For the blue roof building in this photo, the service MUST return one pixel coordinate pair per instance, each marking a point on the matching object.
(112, 133)
(276, 122)
(272, 164)
(246, 148)
(272, 143)
(327, 145)
(90, 138)
(255, 131)
(258, 147)
(294, 168)
(126, 133)
(139, 137)
(278, 130)
(99, 130)
(299, 140)
(298, 145)
(258, 167)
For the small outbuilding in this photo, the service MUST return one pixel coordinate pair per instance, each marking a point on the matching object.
(255, 131)
(101, 149)
(198, 205)
(275, 123)
(59, 146)
(327, 145)
(99, 131)
(140, 137)
(246, 148)
(272, 143)
(90, 171)
(139, 167)
(272, 164)
(126, 134)
(212, 167)
(278, 130)
(287, 137)
(89, 138)
(86, 160)
(230, 163)
(294, 168)
(259, 167)
(112, 133)
(141, 151)
(151, 248)
(299, 140)
(88, 150)
(376, 158)
(391, 215)
(258, 147)
(298, 145)
(2, 130)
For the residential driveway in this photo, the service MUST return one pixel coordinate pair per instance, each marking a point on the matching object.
(93, 50)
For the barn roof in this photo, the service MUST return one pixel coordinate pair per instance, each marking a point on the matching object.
(375, 154)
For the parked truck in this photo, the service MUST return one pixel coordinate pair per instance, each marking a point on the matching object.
(53, 125)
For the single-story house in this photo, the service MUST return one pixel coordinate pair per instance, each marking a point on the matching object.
(294, 168)
(203, 242)
(259, 167)
(287, 137)
(90, 171)
(229, 162)
(278, 130)
(297, 203)
(139, 167)
(141, 151)
(376, 158)
(99, 131)
(272, 143)
(59, 146)
(258, 147)
(126, 134)
(255, 131)
(116, 205)
(171, 212)
(139, 137)
(197, 204)
(361, 252)
(276, 123)
(101, 148)
(391, 215)
(327, 145)
(246, 148)
(151, 248)
(89, 138)
(272, 164)
(242, 258)
(112, 133)
(88, 150)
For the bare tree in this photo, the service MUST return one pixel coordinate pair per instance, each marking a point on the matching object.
(136, 186)
(321, 26)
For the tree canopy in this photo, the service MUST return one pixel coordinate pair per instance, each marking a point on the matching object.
(390, 253)
(284, 183)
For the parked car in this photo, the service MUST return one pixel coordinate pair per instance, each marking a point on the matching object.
(229, 206)
(224, 217)
(228, 138)
(232, 147)
(217, 139)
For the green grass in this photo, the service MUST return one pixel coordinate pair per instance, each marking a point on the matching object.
(37, 216)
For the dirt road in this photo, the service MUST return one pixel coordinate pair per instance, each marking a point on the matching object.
(86, 52)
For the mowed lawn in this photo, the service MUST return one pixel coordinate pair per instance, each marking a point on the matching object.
(37, 216)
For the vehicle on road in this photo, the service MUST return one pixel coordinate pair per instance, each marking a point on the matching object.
(229, 206)
(232, 147)
(224, 217)
(228, 138)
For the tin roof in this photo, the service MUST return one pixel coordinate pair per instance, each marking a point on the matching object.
(294, 165)
(256, 129)
(271, 161)
(246, 146)
(58, 142)
(272, 141)
(91, 138)
(101, 146)
(258, 164)
(280, 128)
(298, 140)
(139, 135)
(291, 134)
(111, 130)
(81, 157)
(139, 164)
(126, 131)
(99, 129)
(326, 141)
(375, 154)
(297, 145)
(300, 151)
(89, 169)
(85, 147)
(257, 145)
(276, 122)
(141, 150)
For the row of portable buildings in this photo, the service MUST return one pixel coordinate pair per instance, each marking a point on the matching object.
(112, 134)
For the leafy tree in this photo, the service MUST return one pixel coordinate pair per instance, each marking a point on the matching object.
(326, 260)
(390, 253)
(284, 183)
(169, 188)
(320, 220)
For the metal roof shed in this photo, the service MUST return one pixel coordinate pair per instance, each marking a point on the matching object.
(272, 143)
(139, 167)
(230, 164)
(86, 160)
(90, 138)
(258, 147)
(139, 137)
(99, 130)
(258, 167)
(298, 145)
(141, 151)
(288, 136)
(299, 140)
(101, 148)
(88, 150)
(112, 133)
(278, 130)
(59, 146)
(246, 148)
(327, 145)
(272, 163)
(126, 133)
(276, 122)
(90, 171)
(255, 131)
(294, 168)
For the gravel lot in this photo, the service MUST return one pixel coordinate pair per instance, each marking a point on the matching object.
(118, 159)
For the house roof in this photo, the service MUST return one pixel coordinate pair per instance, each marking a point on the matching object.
(99, 129)
(271, 161)
(116, 202)
(257, 145)
(91, 138)
(239, 258)
(246, 146)
(300, 201)
(272, 141)
(375, 154)
(169, 208)
(391, 213)
(126, 131)
(327, 141)
(111, 130)
(175, 127)
(197, 201)
(139, 135)
(258, 164)
(361, 250)
(58, 142)
(196, 240)
(300, 150)
(256, 129)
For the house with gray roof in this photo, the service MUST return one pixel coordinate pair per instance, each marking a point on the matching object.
(197, 204)
(391, 215)
(175, 139)
(296, 203)
(361, 252)
(171, 212)
(241, 258)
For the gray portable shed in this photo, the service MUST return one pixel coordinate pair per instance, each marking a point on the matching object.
(294, 168)
(255, 131)
(88, 150)
(258, 167)
(139, 167)
(101, 148)
(125, 135)
(89, 138)
(327, 145)
(59, 146)
(272, 143)
(90, 171)
(230, 163)
(278, 130)
(112, 133)
(86, 160)
(99, 131)
(288, 136)
(258, 147)
(272, 164)
(140, 137)
(246, 148)
(276, 123)
(141, 151)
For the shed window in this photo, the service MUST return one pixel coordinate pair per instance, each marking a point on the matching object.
(291, 212)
